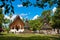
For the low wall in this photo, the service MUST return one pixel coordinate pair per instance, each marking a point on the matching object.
(16, 31)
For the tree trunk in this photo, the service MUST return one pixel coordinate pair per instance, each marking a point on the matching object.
(39, 31)
(58, 30)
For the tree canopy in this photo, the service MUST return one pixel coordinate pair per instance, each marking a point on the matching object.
(7, 4)
(41, 3)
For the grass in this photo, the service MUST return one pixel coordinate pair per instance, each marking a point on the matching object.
(28, 36)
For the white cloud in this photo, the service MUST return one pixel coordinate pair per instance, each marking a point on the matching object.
(26, 17)
(21, 17)
(20, 5)
(23, 14)
(3, 8)
(35, 17)
(12, 18)
(6, 17)
(54, 9)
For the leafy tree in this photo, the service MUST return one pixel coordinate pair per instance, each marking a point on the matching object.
(3, 21)
(56, 20)
(46, 15)
(10, 15)
(41, 3)
(7, 4)
(1, 18)
(35, 24)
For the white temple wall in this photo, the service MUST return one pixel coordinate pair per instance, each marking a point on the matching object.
(16, 31)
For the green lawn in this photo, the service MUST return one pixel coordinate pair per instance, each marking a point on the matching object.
(28, 36)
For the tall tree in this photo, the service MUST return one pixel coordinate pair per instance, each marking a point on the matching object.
(1, 17)
(56, 20)
(35, 24)
(46, 15)
(8, 8)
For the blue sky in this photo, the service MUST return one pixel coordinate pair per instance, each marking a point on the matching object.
(28, 12)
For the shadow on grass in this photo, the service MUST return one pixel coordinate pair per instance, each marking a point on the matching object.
(2, 34)
(29, 38)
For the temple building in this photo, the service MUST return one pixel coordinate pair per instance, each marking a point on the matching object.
(27, 26)
(47, 29)
(17, 25)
